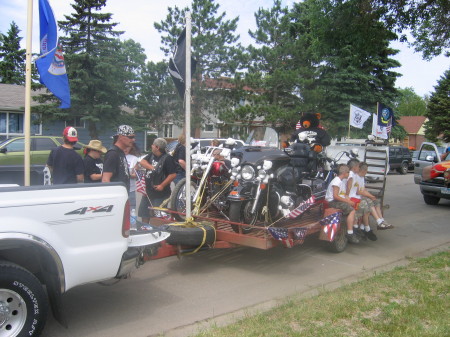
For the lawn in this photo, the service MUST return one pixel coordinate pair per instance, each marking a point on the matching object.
(406, 301)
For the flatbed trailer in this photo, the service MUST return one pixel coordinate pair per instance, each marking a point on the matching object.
(259, 236)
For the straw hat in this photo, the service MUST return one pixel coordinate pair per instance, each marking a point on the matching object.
(96, 145)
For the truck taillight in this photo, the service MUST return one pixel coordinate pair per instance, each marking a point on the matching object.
(447, 176)
(126, 220)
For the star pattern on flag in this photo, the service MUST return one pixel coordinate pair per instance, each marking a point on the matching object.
(305, 205)
(282, 234)
(331, 225)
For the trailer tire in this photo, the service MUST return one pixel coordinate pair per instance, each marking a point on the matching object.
(339, 243)
(191, 236)
(23, 302)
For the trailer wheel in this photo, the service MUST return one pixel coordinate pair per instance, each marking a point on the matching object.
(178, 198)
(191, 236)
(240, 212)
(339, 243)
(23, 302)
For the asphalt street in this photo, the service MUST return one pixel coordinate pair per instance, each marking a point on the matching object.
(175, 297)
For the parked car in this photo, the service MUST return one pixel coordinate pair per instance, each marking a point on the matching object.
(12, 158)
(432, 173)
(399, 159)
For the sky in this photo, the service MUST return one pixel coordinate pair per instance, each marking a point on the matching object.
(136, 18)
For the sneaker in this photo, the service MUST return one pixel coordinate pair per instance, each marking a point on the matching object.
(360, 234)
(384, 225)
(352, 238)
(371, 235)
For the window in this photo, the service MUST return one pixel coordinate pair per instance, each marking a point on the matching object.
(76, 122)
(44, 144)
(168, 130)
(209, 127)
(11, 124)
(17, 145)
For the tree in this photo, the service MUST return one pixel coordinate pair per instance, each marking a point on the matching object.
(347, 58)
(269, 84)
(103, 71)
(12, 57)
(427, 20)
(409, 103)
(215, 49)
(438, 111)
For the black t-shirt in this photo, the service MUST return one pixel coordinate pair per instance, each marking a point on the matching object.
(159, 174)
(116, 163)
(92, 166)
(179, 153)
(66, 165)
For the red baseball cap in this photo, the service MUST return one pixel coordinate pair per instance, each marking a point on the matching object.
(70, 133)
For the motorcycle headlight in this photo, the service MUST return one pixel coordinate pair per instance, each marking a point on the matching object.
(248, 172)
(261, 174)
(267, 165)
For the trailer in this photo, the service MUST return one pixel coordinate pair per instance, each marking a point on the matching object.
(211, 231)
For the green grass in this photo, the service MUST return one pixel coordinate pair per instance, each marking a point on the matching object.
(406, 301)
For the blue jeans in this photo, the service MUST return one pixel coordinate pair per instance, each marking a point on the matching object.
(179, 176)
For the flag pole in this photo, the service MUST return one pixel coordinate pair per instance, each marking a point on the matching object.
(27, 116)
(187, 97)
(349, 115)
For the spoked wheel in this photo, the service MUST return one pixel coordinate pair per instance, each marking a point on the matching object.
(241, 212)
(178, 198)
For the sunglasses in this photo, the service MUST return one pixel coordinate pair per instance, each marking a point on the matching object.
(131, 137)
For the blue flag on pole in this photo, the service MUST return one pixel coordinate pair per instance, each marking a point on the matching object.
(50, 64)
(385, 114)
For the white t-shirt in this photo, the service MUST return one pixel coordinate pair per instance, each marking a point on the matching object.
(342, 184)
(356, 185)
(132, 161)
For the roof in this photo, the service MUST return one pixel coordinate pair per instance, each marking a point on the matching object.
(12, 96)
(412, 124)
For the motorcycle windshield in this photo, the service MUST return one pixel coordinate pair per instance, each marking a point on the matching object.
(263, 136)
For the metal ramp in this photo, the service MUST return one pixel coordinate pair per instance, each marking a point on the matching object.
(377, 159)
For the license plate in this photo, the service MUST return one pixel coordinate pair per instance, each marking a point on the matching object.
(445, 190)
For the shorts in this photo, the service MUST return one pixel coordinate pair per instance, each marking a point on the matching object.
(363, 207)
(372, 203)
(343, 206)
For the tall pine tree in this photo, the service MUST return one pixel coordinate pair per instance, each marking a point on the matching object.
(438, 111)
(12, 57)
(215, 48)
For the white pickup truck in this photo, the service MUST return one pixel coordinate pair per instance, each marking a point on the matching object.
(61, 237)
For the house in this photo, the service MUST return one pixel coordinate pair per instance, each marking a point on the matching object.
(414, 126)
(12, 111)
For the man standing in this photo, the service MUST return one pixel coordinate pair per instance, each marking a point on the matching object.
(161, 171)
(65, 164)
(115, 166)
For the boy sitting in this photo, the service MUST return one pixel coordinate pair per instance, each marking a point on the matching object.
(368, 200)
(355, 185)
(336, 198)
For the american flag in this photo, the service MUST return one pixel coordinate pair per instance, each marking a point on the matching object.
(389, 126)
(331, 225)
(299, 234)
(298, 125)
(282, 234)
(140, 182)
(301, 208)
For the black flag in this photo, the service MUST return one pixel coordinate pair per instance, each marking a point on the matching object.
(177, 64)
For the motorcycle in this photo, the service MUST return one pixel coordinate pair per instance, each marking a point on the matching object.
(269, 183)
(210, 184)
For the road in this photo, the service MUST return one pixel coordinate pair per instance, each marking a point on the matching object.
(169, 295)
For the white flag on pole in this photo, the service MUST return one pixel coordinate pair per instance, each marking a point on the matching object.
(378, 131)
(358, 116)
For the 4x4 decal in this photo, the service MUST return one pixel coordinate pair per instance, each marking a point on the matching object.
(84, 210)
